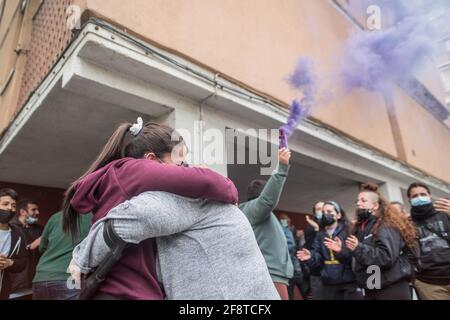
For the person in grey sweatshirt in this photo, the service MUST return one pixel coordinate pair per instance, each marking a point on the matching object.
(262, 200)
(206, 249)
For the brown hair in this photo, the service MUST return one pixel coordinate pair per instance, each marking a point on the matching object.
(314, 206)
(417, 185)
(255, 188)
(389, 215)
(157, 138)
(23, 204)
(6, 192)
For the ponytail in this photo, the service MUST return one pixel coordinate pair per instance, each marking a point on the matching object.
(113, 150)
(152, 137)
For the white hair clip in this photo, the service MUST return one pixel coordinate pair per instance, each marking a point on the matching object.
(137, 127)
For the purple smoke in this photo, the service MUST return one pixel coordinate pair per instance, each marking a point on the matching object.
(298, 113)
(374, 60)
(304, 80)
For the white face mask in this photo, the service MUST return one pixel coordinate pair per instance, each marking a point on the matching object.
(319, 215)
(31, 220)
(420, 201)
(284, 222)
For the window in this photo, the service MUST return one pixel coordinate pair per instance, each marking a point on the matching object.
(5, 85)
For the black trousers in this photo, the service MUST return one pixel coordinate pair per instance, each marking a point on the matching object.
(396, 291)
(347, 291)
(316, 287)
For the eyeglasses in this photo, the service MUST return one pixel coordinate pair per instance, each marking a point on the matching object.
(183, 164)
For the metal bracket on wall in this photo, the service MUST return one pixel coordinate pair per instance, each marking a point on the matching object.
(19, 50)
(23, 5)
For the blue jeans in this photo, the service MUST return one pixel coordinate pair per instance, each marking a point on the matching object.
(53, 290)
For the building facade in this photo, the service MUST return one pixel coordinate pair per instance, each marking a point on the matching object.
(71, 70)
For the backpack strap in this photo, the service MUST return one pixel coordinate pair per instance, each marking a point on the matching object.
(111, 238)
(440, 233)
(92, 281)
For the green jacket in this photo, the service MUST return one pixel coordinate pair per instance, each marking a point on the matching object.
(268, 231)
(56, 248)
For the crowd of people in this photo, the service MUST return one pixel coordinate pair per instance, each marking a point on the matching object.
(141, 224)
(410, 251)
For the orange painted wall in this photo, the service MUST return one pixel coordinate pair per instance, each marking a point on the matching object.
(42, 34)
(258, 43)
(9, 60)
(427, 141)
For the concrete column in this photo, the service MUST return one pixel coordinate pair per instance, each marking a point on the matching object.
(392, 191)
(205, 138)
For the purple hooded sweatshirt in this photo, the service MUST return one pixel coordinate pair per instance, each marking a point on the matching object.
(134, 276)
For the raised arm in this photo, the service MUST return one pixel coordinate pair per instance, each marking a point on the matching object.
(155, 214)
(201, 183)
(259, 209)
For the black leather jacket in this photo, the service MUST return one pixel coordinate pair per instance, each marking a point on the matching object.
(434, 239)
(386, 250)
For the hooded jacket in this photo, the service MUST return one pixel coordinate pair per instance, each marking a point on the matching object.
(22, 281)
(134, 276)
(268, 231)
(19, 255)
(310, 236)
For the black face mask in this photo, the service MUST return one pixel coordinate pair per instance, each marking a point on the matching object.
(328, 220)
(423, 212)
(363, 214)
(6, 216)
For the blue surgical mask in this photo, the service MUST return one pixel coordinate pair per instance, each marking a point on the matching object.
(31, 220)
(420, 201)
(284, 222)
(319, 215)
